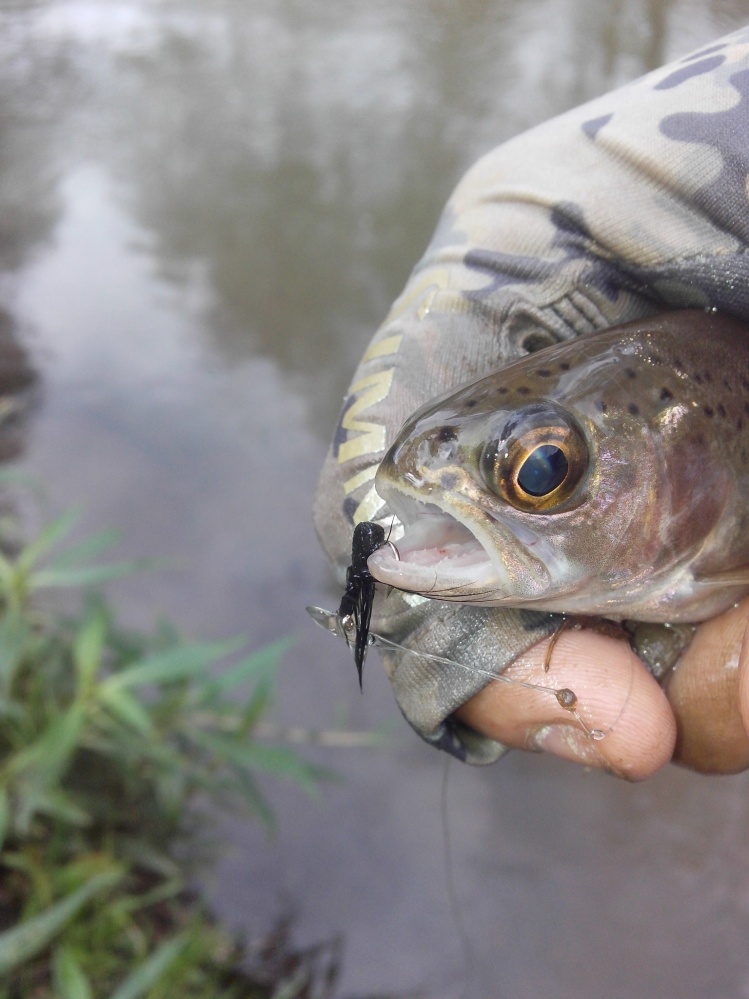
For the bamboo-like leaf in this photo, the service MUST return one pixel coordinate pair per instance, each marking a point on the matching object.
(14, 633)
(49, 536)
(125, 708)
(262, 696)
(7, 574)
(172, 665)
(158, 964)
(49, 755)
(162, 892)
(83, 550)
(69, 979)
(88, 647)
(254, 756)
(257, 801)
(258, 663)
(53, 802)
(30, 937)
(86, 575)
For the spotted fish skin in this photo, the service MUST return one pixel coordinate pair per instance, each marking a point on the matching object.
(651, 423)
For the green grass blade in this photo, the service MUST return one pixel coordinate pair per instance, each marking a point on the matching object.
(258, 663)
(53, 802)
(69, 980)
(30, 937)
(82, 551)
(148, 974)
(14, 634)
(256, 757)
(125, 708)
(7, 574)
(44, 760)
(256, 801)
(86, 575)
(172, 665)
(49, 536)
(88, 647)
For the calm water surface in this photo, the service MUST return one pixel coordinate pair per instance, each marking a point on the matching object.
(205, 211)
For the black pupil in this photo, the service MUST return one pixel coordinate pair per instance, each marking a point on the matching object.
(543, 470)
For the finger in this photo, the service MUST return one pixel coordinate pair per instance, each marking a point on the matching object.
(616, 695)
(707, 696)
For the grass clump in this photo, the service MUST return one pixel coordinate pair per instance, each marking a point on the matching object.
(107, 738)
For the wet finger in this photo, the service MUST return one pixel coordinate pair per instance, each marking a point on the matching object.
(615, 697)
(709, 697)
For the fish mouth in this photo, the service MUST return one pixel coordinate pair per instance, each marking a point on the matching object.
(438, 556)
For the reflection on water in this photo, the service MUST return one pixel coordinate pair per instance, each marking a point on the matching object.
(205, 211)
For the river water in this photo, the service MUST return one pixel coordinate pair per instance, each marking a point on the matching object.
(205, 211)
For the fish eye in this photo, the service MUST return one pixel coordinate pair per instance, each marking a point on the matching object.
(538, 465)
(543, 470)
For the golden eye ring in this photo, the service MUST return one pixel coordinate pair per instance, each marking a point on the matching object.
(538, 469)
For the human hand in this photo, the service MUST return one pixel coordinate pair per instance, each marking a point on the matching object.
(700, 718)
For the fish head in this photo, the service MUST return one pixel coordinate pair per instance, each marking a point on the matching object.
(545, 486)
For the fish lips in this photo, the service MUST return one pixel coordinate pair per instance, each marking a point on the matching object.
(441, 557)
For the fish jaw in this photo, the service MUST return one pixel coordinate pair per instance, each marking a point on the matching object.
(436, 556)
(440, 557)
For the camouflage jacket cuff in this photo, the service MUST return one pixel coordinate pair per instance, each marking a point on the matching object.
(460, 649)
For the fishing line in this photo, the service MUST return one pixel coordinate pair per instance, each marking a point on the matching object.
(564, 696)
(469, 956)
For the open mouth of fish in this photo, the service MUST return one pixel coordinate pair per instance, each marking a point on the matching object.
(437, 555)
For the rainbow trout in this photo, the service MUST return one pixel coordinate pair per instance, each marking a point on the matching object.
(608, 475)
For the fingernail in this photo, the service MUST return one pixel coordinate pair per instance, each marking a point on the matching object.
(568, 742)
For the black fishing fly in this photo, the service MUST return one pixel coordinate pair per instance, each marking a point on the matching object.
(355, 611)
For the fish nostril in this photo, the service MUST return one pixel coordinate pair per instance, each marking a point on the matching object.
(446, 434)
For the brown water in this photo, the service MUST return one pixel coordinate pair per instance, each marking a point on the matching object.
(205, 210)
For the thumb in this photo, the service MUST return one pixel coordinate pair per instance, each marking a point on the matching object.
(709, 695)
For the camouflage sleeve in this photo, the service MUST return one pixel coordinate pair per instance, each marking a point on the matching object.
(632, 204)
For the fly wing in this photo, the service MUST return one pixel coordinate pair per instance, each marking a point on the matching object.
(363, 618)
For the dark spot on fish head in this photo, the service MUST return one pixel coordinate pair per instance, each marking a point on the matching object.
(678, 364)
(446, 434)
(708, 411)
(564, 366)
(697, 378)
(721, 410)
(740, 423)
(523, 390)
(707, 376)
(666, 394)
(471, 403)
(544, 372)
(630, 373)
(601, 406)
(634, 409)
(502, 390)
